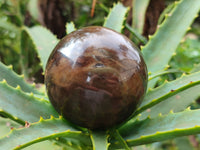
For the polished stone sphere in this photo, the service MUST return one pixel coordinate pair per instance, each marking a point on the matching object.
(96, 77)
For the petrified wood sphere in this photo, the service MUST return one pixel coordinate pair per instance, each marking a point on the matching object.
(96, 77)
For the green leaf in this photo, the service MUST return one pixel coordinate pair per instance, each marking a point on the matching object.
(14, 79)
(116, 17)
(99, 140)
(138, 14)
(136, 34)
(44, 130)
(44, 41)
(175, 103)
(30, 65)
(167, 90)
(24, 106)
(116, 135)
(166, 11)
(34, 9)
(163, 72)
(70, 27)
(6, 125)
(160, 48)
(44, 145)
(11, 117)
(9, 26)
(160, 128)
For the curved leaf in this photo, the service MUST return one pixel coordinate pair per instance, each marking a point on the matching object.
(116, 17)
(44, 41)
(160, 48)
(138, 14)
(22, 105)
(6, 125)
(168, 89)
(44, 130)
(99, 140)
(70, 27)
(14, 79)
(177, 103)
(161, 128)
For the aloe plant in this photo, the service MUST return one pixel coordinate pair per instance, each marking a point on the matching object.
(164, 113)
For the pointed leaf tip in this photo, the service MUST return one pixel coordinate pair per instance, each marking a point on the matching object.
(171, 111)
(115, 20)
(10, 67)
(3, 81)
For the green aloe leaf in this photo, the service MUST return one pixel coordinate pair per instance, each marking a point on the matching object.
(136, 34)
(6, 125)
(28, 56)
(166, 11)
(44, 41)
(14, 79)
(70, 27)
(33, 8)
(99, 140)
(44, 145)
(24, 106)
(115, 19)
(168, 89)
(114, 133)
(138, 14)
(44, 130)
(175, 103)
(160, 48)
(163, 72)
(160, 128)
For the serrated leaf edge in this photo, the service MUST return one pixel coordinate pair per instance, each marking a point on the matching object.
(169, 94)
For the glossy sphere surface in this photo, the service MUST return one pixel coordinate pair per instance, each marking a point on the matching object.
(95, 77)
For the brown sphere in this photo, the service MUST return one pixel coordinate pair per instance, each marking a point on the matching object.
(96, 77)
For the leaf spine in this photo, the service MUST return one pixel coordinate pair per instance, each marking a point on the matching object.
(148, 117)
(31, 94)
(41, 119)
(150, 37)
(18, 87)
(188, 108)
(171, 111)
(167, 66)
(158, 132)
(141, 47)
(16, 118)
(33, 84)
(10, 67)
(188, 29)
(4, 81)
(174, 54)
(21, 76)
(69, 143)
(52, 117)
